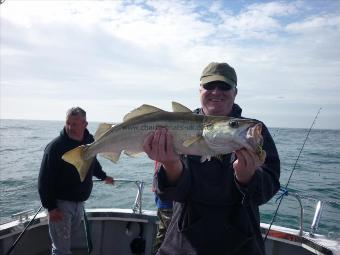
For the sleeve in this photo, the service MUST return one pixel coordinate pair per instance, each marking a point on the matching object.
(161, 204)
(174, 192)
(98, 171)
(46, 182)
(265, 182)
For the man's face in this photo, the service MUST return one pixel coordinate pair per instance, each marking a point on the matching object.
(215, 100)
(75, 126)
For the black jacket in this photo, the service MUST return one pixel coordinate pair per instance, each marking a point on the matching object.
(59, 179)
(213, 214)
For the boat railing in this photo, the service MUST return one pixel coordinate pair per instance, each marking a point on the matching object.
(137, 207)
(23, 215)
(319, 207)
(297, 197)
(138, 203)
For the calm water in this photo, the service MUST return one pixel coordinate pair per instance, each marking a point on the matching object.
(317, 174)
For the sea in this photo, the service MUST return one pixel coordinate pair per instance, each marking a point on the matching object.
(314, 171)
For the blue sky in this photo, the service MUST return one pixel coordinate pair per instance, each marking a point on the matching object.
(110, 57)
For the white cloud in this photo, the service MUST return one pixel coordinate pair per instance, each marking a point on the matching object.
(112, 56)
(275, 8)
(316, 24)
(261, 21)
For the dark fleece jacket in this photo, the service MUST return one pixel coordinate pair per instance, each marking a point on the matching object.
(212, 213)
(59, 179)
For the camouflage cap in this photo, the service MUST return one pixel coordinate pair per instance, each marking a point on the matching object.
(219, 72)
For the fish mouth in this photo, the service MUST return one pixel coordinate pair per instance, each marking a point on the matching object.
(255, 139)
(254, 135)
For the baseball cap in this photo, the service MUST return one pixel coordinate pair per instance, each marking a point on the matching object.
(219, 72)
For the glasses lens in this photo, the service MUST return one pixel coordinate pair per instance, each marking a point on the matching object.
(221, 86)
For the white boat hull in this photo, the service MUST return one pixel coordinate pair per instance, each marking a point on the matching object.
(113, 230)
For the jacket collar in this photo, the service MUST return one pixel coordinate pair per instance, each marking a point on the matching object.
(236, 111)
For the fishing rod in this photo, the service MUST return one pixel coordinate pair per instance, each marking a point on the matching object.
(23, 232)
(291, 173)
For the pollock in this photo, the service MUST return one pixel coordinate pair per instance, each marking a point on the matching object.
(193, 134)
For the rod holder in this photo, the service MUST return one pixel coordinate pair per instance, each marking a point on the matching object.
(138, 201)
(317, 217)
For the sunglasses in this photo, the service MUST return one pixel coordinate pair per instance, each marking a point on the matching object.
(220, 86)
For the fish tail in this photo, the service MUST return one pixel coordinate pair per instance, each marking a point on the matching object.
(77, 159)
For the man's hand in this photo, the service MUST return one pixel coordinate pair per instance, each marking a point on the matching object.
(245, 165)
(55, 215)
(158, 146)
(109, 180)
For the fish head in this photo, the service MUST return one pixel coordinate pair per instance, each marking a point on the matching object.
(224, 135)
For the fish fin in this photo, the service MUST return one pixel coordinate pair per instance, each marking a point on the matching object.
(102, 129)
(177, 107)
(132, 153)
(191, 140)
(204, 158)
(112, 156)
(144, 109)
(76, 158)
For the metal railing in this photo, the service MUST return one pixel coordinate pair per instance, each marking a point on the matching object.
(297, 197)
(319, 207)
(22, 216)
(138, 203)
(138, 206)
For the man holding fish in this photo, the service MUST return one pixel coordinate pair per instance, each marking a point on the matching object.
(217, 166)
(217, 199)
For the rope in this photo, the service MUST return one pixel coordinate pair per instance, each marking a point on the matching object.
(282, 192)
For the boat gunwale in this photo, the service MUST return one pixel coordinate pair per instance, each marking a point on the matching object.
(277, 233)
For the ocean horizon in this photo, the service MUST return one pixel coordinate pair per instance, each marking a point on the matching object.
(96, 122)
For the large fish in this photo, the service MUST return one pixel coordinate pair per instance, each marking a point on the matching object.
(193, 134)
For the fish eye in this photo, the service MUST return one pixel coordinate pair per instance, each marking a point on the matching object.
(234, 123)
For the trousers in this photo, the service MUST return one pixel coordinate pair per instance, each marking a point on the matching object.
(164, 216)
(61, 231)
